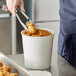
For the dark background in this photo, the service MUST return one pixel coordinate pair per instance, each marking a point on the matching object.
(28, 11)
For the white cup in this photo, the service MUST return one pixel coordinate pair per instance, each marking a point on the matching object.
(38, 50)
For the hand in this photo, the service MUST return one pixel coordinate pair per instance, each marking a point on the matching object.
(12, 5)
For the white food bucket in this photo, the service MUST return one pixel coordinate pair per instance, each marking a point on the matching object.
(38, 50)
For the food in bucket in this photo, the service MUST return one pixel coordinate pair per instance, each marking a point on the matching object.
(32, 31)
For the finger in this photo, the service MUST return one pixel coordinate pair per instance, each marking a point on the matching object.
(22, 7)
(9, 5)
(14, 11)
(15, 4)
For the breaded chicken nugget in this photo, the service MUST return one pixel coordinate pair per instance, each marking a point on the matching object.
(31, 28)
(1, 73)
(6, 73)
(1, 69)
(14, 74)
(7, 68)
(1, 64)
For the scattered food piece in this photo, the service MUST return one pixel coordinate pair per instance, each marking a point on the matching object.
(14, 74)
(6, 70)
(1, 64)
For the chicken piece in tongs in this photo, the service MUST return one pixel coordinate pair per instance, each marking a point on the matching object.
(29, 26)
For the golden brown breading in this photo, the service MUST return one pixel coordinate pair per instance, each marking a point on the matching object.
(36, 35)
(14, 74)
(29, 24)
(1, 64)
(1, 73)
(42, 32)
(6, 68)
(1, 69)
(31, 28)
(6, 73)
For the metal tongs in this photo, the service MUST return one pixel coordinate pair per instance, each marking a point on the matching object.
(28, 19)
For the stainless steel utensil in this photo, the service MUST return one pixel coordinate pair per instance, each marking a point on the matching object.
(28, 19)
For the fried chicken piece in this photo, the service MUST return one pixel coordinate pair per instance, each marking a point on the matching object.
(26, 33)
(36, 35)
(1, 69)
(6, 73)
(31, 28)
(1, 64)
(14, 74)
(1, 73)
(28, 24)
(43, 32)
(6, 68)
